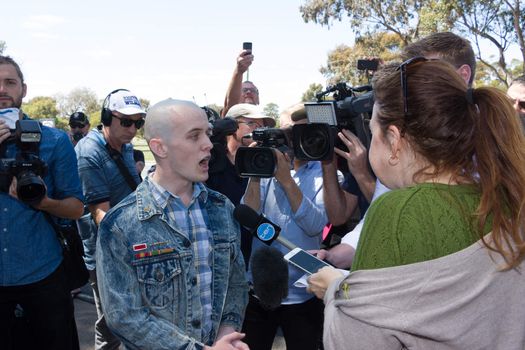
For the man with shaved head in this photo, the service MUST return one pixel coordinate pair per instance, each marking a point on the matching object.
(169, 266)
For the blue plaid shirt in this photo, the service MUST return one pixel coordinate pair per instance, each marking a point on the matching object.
(192, 221)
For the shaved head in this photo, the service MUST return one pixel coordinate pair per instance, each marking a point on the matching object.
(161, 116)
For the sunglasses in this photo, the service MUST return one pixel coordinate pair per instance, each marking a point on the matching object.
(76, 125)
(404, 86)
(126, 122)
(521, 104)
(252, 90)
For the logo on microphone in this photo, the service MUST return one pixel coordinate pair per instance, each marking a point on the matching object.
(265, 232)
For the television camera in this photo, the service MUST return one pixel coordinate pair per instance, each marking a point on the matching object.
(351, 108)
(261, 161)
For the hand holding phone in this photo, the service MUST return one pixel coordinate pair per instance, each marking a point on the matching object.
(247, 46)
(305, 261)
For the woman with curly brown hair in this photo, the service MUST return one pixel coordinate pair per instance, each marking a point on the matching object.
(439, 262)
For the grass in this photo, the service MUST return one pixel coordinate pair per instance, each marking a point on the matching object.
(141, 145)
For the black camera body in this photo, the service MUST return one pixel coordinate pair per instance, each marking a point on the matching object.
(261, 161)
(26, 167)
(351, 109)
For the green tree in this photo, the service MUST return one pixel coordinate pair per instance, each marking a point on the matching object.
(145, 103)
(41, 107)
(94, 118)
(3, 46)
(499, 22)
(272, 110)
(79, 99)
(406, 19)
(342, 61)
(309, 94)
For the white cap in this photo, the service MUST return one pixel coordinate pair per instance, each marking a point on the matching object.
(125, 102)
(250, 111)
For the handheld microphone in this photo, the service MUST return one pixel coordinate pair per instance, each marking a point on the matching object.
(270, 276)
(258, 225)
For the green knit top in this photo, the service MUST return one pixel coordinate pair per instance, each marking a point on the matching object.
(418, 223)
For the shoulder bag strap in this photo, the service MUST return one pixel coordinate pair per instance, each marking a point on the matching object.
(117, 157)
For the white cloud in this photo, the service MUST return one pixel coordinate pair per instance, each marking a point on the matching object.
(98, 54)
(43, 22)
(44, 35)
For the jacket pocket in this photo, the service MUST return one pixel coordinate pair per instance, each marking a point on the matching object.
(159, 279)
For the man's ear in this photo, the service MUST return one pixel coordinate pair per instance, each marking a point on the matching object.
(158, 148)
(24, 90)
(465, 72)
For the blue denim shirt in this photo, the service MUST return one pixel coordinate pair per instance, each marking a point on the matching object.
(101, 182)
(147, 276)
(29, 248)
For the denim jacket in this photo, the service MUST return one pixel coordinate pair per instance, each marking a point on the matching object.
(147, 279)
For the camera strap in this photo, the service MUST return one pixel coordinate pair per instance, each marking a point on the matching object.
(117, 157)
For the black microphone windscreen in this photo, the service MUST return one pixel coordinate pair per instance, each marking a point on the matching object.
(270, 276)
(225, 126)
(246, 216)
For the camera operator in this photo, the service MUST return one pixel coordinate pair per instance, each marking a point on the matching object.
(293, 199)
(79, 126)
(225, 179)
(445, 46)
(31, 273)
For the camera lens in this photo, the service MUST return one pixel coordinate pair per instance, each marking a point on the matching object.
(315, 142)
(30, 187)
(255, 161)
(261, 160)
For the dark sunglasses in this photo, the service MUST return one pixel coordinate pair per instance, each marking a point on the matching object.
(126, 122)
(76, 125)
(404, 86)
(252, 90)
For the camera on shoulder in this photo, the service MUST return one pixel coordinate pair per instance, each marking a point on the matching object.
(350, 108)
(260, 161)
(26, 167)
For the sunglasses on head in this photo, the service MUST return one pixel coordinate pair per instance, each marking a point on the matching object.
(126, 122)
(404, 86)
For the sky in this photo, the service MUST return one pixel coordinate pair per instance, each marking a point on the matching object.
(160, 49)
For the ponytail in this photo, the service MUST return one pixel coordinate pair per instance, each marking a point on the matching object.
(500, 162)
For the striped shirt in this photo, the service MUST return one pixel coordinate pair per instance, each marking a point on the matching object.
(192, 222)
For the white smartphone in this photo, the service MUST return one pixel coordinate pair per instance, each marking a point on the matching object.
(305, 261)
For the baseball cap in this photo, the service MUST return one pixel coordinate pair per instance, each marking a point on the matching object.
(125, 102)
(78, 118)
(247, 110)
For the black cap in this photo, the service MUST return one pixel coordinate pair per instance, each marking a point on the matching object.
(78, 118)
